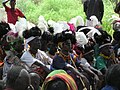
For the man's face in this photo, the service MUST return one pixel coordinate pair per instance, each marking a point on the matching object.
(35, 44)
(67, 45)
(12, 3)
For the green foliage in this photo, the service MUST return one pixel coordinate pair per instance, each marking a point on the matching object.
(62, 10)
(51, 9)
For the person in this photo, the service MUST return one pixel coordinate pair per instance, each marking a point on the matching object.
(35, 80)
(103, 61)
(117, 9)
(62, 60)
(112, 78)
(60, 80)
(86, 66)
(12, 13)
(18, 78)
(33, 41)
(94, 7)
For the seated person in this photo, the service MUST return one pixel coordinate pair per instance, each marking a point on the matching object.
(18, 78)
(62, 59)
(112, 78)
(35, 80)
(59, 80)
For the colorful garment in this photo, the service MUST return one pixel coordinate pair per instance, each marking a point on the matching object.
(13, 15)
(58, 63)
(100, 63)
(63, 76)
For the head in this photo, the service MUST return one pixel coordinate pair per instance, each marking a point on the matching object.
(59, 80)
(32, 38)
(113, 76)
(18, 78)
(51, 48)
(35, 80)
(66, 46)
(106, 50)
(19, 42)
(35, 44)
(10, 56)
(65, 40)
(4, 29)
(12, 4)
(57, 84)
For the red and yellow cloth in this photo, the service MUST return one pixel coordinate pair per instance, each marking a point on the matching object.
(63, 76)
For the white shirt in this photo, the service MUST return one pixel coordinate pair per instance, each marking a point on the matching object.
(28, 58)
(43, 57)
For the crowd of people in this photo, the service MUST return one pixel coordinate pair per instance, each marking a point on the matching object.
(59, 55)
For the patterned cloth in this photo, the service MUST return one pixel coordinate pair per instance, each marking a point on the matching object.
(63, 76)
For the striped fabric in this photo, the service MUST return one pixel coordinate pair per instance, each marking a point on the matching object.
(63, 76)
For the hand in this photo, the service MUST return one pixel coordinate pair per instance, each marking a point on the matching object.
(96, 78)
(99, 73)
(85, 82)
(5, 1)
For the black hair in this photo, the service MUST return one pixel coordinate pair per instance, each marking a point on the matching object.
(52, 48)
(106, 49)
(34, 31)
(64, 36)
(51, 30)
(85, 30)
(116, 35)
(103, 38)
(113, 76)
(56, 84)
(47, 36)
(4, 29)
(12, 0)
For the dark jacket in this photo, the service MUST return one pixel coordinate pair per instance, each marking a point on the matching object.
(94, 7)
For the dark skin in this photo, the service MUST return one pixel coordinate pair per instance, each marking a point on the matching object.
(65, 49)
(12, 4)
(35, 44)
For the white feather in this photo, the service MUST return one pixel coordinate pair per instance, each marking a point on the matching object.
(81, 38)
(64, 25)
(3, 15)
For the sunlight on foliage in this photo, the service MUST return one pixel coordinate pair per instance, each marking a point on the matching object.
(62, 10)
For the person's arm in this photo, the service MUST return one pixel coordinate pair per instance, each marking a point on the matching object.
(21, 14)
(4, 2)
(42, 65)
(83, 79)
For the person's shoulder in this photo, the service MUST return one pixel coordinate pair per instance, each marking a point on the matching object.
(57, 56)
(17, 9)
(7, 8)
(99, 58)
